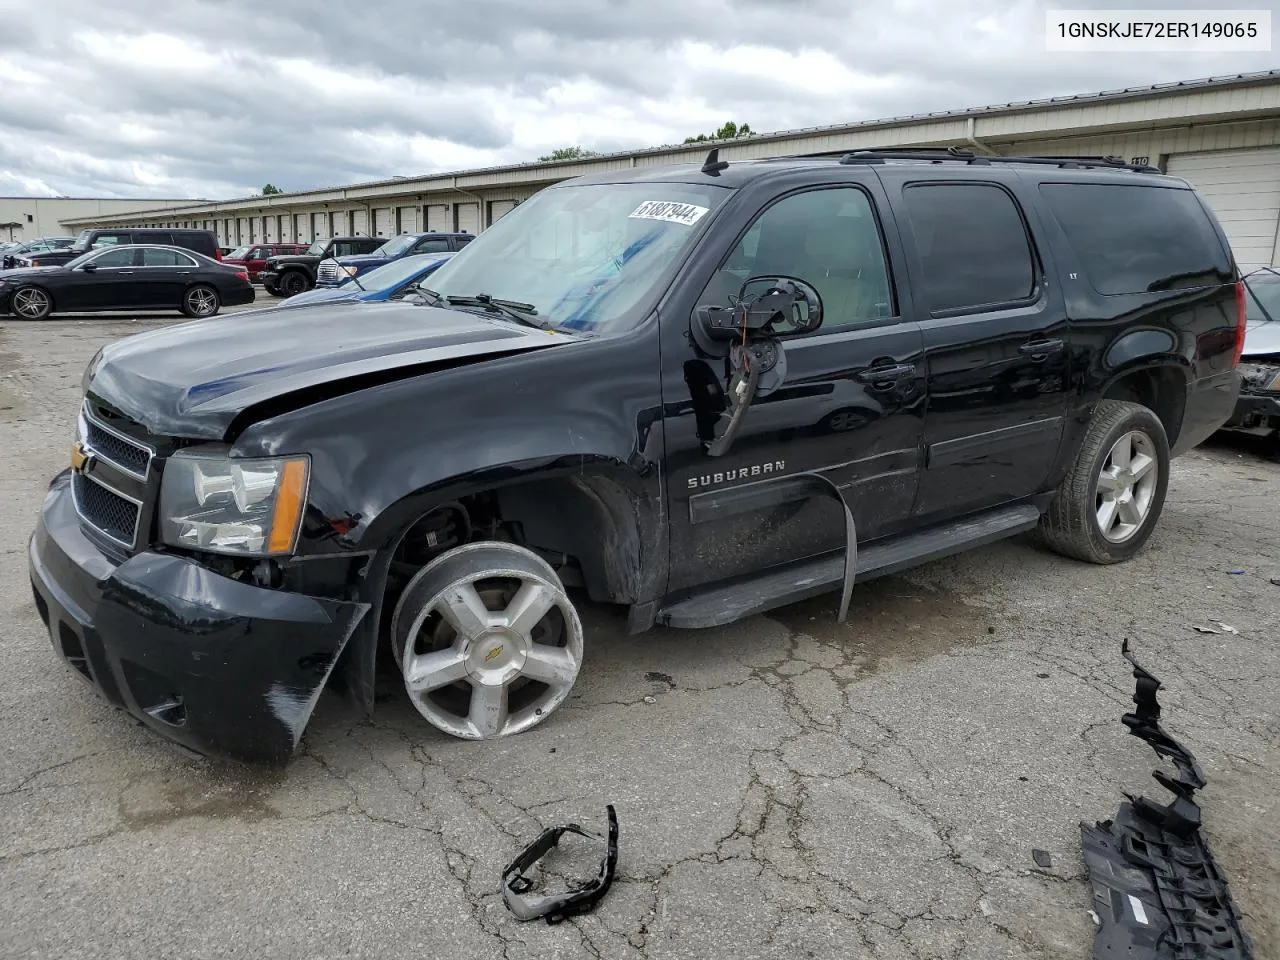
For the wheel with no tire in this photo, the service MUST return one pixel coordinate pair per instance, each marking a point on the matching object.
(1112, 496)
(291, 283)
(201, 301)
(31, 303)
(487, 641)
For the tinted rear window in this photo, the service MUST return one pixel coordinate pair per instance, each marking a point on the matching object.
(972, 244)
(1139, 239)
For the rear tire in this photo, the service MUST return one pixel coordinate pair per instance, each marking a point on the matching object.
(201, 301)
(293, 283)
(31, 303)
(1112, 497)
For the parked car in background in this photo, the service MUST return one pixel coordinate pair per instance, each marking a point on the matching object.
(18, 252)
(285, 276)
(1258, 408)
(338, 270)
(203, 242)
(255, 256)
(391, 281)
(225, 251)
(126, 277)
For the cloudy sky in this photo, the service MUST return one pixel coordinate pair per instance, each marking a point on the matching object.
(215, 98)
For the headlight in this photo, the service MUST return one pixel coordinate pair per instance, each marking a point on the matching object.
(230, 505)
(350, 271)
(1264, 377)
(90, 370)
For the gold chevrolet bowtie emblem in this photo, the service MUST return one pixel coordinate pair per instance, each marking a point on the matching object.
(495, 652)
(78, 456)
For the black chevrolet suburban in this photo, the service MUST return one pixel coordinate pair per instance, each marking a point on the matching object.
(697, 392)
(201, 241)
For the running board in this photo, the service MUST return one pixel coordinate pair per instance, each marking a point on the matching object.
(779, 586)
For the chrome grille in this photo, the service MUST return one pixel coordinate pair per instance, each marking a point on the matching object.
(111, 513)
(327, 272)
(110, 445)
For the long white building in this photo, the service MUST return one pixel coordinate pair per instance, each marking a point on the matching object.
(29, 218)
(1222, 134)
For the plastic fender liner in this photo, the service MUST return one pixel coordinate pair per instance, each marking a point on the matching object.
(1157, 891)
(580, 898)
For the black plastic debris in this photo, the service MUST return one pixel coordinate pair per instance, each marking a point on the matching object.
(1157, 891)
(1042, 858)
(580, 897)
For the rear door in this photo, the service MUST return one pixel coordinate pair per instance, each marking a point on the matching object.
(995, 335)
(163, 275)
(846, 415)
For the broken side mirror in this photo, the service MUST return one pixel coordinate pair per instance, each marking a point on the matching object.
(747, 334)
(765, 306)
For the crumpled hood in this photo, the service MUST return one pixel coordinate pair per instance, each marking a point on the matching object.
(1261, 337)
(193, 379)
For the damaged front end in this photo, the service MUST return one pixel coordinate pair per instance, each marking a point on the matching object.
(1158, 893)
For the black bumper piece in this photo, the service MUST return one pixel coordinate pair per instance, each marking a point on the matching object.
(1157, 891)
(221, 667)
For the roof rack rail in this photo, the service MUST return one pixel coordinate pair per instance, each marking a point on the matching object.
(943, 154)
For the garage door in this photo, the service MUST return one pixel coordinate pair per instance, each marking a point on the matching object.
(499, 209)
(468, 218)
(242, 231)
(269, 232)
(383, 225)
(1243, 188)
(360, 223)
(408, 217)
(438, 218)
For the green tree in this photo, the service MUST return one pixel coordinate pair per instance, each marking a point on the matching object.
(568, 153)
(730, 131)
(270, 189)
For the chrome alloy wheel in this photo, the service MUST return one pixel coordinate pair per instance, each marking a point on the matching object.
(31, 303)
(1126, 486)
(493, 646)
(202, 302)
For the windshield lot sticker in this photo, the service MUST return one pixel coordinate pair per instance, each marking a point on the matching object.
(669, 211)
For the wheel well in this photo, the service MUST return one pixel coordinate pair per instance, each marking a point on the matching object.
(586, 527)
(1160, 389)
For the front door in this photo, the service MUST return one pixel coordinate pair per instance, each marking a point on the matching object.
(111, 283)
(995, 337)
(845, 420)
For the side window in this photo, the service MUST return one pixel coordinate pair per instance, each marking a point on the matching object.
(461, 242)
(115, 258)
(344, 249)
(260, 253)
(431, 246)
(1138, 239)
(110, 239)
(827, 237)
(973, 246)
(155, 257)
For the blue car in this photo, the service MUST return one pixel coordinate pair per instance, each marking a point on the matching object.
(337, 270)
(388, 282)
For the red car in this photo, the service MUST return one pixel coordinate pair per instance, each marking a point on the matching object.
(254, 258)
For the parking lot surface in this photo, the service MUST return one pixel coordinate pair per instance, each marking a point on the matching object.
(786, 786)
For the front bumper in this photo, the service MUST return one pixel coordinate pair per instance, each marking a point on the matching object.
(268, 277)
(1257, 413)
(220, 666)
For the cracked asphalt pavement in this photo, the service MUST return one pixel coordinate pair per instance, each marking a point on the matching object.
(786, 786)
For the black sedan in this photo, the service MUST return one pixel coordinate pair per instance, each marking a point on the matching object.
(132, 277)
